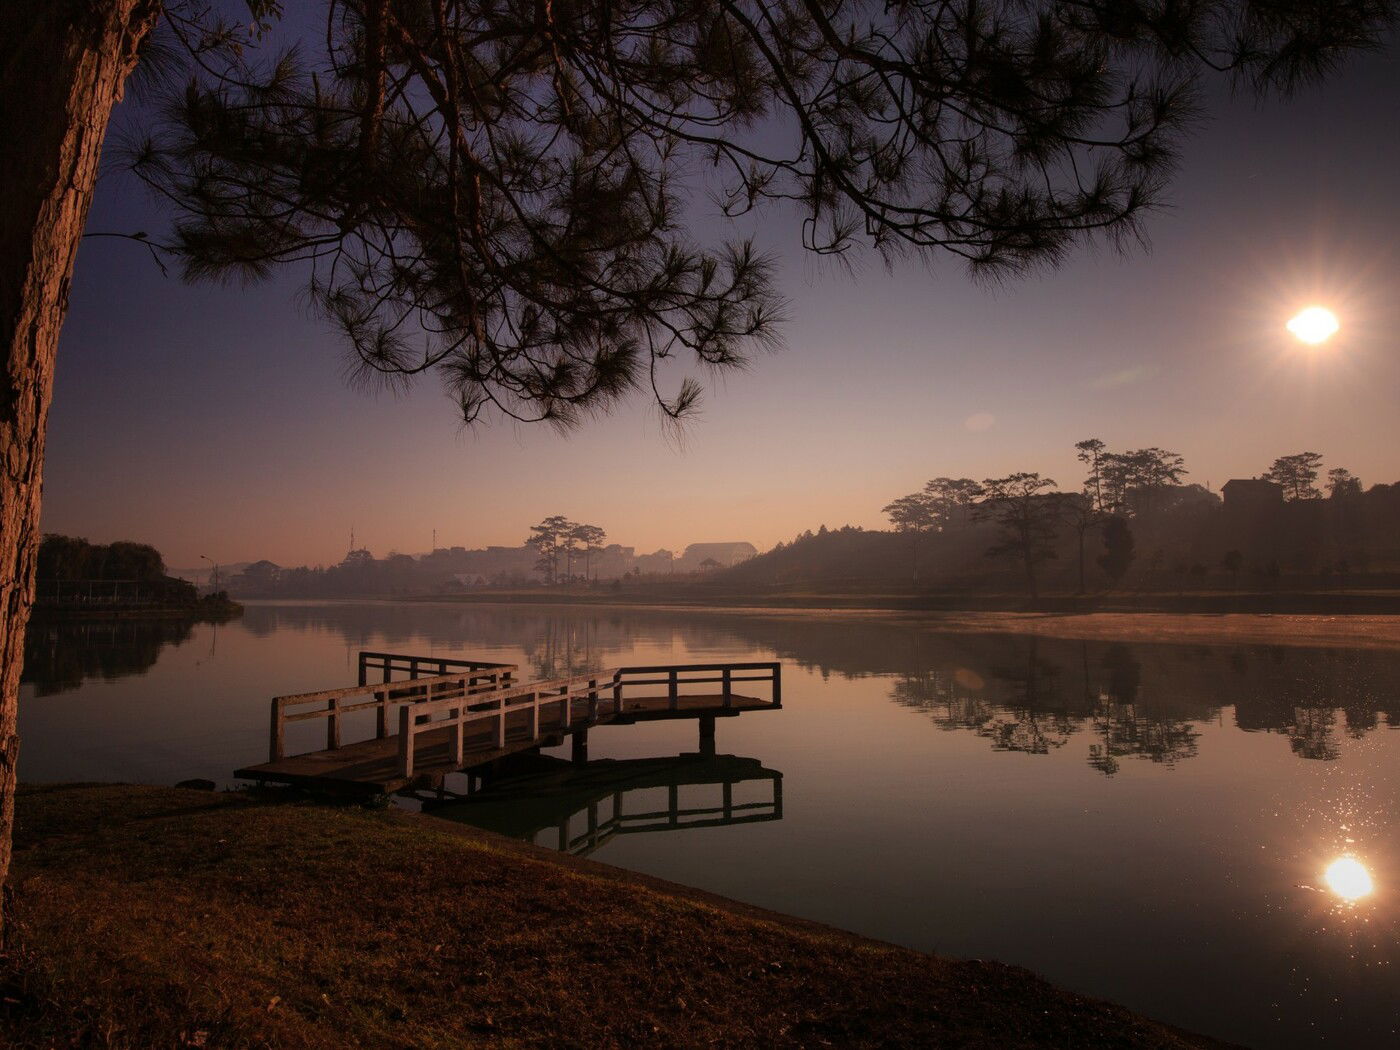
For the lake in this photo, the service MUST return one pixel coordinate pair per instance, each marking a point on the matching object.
(1147, 823)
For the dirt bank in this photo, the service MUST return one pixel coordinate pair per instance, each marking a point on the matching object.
(150, 916)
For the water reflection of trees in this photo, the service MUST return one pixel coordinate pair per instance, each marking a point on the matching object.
(1144, 702)
(60, 655)
(1021, 694)
(568, 645)
(1128, 729)
(555, 639)
(1301, 692)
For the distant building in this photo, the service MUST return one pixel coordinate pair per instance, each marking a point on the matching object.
(263, 572)
(1252, 494)
(256, 580)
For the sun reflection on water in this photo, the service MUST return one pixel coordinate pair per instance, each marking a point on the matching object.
(1348, 878)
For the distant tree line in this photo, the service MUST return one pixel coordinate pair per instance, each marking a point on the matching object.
(1030, 514)
(70, 559)
(73, 573)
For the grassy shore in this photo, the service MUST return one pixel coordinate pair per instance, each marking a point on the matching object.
(1351, 631)
(160, 917)
(1345, 632)
(705, 594)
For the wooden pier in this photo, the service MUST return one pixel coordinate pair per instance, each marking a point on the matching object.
(455, 715)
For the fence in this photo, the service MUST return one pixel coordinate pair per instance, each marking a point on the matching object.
(468, 678)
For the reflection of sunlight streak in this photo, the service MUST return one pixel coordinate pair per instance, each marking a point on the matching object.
(1348, 878)
(968, 678)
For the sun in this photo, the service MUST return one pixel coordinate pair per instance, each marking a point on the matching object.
(1315, 325)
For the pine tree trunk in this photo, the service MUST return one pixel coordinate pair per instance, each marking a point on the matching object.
(62, 66)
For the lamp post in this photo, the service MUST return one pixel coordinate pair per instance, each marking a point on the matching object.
(214, 573)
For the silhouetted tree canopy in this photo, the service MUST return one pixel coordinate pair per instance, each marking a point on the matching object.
(913, 515)
(1297, 474)
(69, 558)
(550, 538)
(1342, 483)
(1026, 510)
(497, 191)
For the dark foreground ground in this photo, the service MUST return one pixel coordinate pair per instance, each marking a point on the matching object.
(161, 917)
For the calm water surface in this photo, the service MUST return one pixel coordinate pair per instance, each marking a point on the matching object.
(1150, 824)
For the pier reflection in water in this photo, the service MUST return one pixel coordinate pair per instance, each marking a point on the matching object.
(1160, 825)
(580, 808)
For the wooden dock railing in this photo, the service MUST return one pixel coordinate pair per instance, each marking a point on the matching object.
(383, 666)
(552, 704)
(557, 697)
(468, 678)
(675, 676)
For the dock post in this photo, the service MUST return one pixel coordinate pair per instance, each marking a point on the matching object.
(276, 747)
(333, 724)
(707, 735)
(406, 724)
(580, 748)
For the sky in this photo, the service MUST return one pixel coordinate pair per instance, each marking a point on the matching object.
(216, 421)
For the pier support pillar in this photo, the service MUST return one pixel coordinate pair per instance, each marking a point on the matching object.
(707, 735)
(580, 749)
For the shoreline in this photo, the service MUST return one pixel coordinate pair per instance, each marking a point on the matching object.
(155, 914)
(1350, 631)
(204, 611)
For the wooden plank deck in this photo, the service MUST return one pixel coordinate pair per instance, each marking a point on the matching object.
(374, 766)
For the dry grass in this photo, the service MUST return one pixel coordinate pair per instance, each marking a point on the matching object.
(1344, 632)
(155, 917)
(1350, 630)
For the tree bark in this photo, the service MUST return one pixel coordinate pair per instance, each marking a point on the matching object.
(62, 67)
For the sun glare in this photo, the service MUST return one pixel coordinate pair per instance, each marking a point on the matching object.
(1315, 325)
(1348, 878)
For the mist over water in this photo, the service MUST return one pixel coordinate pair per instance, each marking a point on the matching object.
(1158, 825)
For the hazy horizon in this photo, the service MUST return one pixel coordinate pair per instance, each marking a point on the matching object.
(216, 421)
